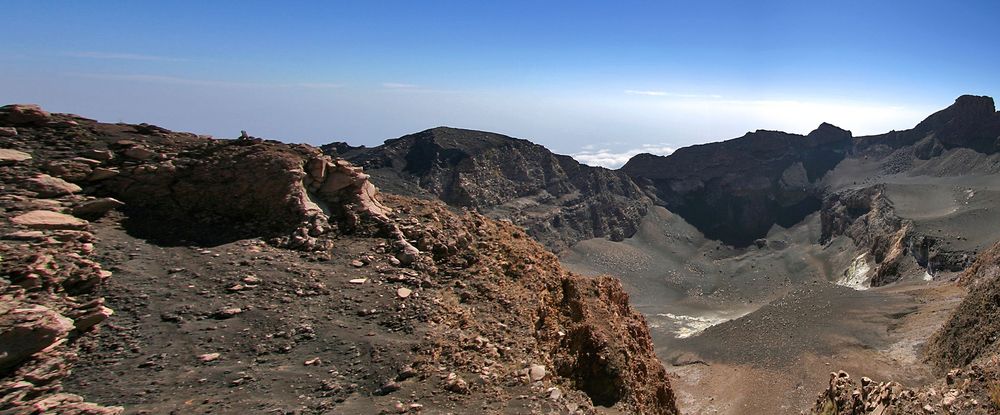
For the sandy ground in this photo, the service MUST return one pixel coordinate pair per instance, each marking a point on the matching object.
(759, 330)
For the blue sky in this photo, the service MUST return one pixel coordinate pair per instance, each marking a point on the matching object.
(579, 77)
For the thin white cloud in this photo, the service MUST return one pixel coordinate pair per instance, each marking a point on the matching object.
(398, 85)
(205, 82)
(669, 94)
(614, 160)
(318, 85)
(646, 93)
(122, 56)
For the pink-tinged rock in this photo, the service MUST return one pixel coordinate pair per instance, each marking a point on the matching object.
(23, 114)
(46, 219)
(48, 186)
(28, 330)
(8, 156)
(97, 207)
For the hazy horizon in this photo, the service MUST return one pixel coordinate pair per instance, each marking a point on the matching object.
(594, 81)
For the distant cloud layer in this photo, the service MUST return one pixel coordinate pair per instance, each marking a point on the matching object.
(614, 160)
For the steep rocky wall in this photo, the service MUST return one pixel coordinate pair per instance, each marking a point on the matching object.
(973, 331)
(735, 190)
(558, 200)
(510, 288)
(867, 216)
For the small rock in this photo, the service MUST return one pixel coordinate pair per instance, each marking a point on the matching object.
(312, 362)
(8, 156)
(357, 263)
(92, 318)
(948, 401)
(101, 173)
(358, 281)
(97, 207)
(209, 357)
(46, 219)
(99, 155)
(555, 393)
(48, 186)
(26, 236)
(406, 372)
(389, 387)
(536, 372)
(226, 313)
(251, 279)
(456, 384)
(139, 153)
(403, 292)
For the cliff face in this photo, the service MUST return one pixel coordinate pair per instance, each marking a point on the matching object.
(973, 331)
(735, 190)
(971, 122)
(558, 200)
(387, 299)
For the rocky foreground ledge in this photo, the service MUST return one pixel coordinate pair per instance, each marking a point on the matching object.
(456, 312)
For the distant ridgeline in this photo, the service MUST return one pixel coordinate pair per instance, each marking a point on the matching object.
(733, 191)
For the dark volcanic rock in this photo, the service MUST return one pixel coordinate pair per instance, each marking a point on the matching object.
(735, 190)
(971, 122)
(557, 199)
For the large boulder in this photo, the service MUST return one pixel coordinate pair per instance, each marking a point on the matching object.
(23, 114)
(28, 330)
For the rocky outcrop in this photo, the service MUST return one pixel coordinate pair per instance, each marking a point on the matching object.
(213, 191)
(867, 216)
(735, 190)
(973, 330)
(514, 291)
(971, 391)
(488, 302)
(558, 200)
(47, 278)
(971, 122)
(966, 348)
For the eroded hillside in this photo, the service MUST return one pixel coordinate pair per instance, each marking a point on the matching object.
(254, 276)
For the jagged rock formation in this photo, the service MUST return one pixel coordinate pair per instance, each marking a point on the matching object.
(971, 122)
(867, 216)
(972, 391)
(478, 310)
(558, 200)
(972, 334)
(49, 274)
(967, 347)
(735, 190)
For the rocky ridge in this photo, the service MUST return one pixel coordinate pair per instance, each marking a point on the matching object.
(735, 190)
(558, 200)
(488, 311)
